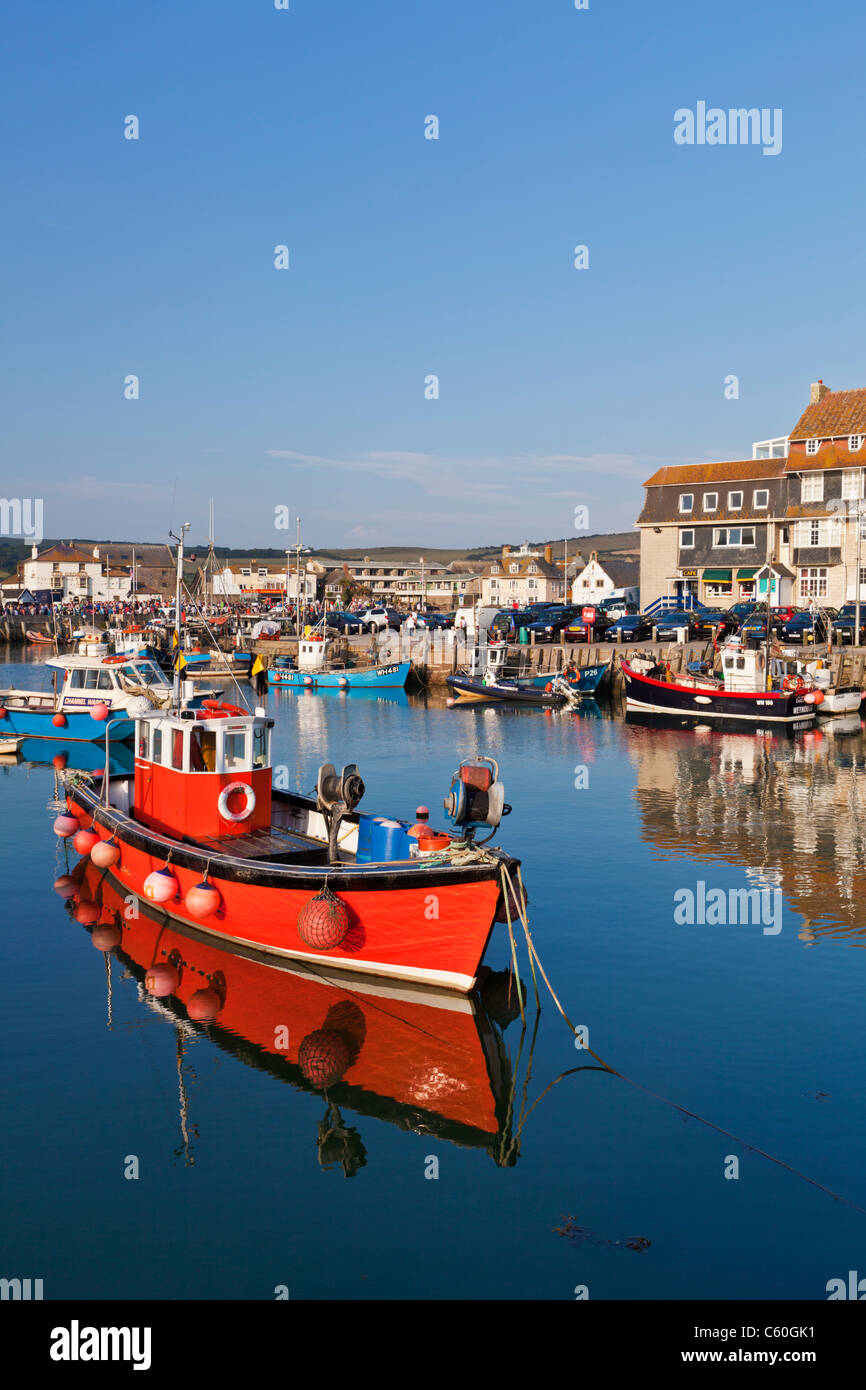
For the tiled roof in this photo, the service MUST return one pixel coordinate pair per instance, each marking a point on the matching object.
(736, 471)
(837, 414)
(67, 554)
(828, 456)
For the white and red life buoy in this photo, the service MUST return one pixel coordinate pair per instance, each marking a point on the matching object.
(794, 682)
(249, 805)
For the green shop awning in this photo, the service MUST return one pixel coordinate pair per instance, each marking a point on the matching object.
(747, 574)
(717, 576)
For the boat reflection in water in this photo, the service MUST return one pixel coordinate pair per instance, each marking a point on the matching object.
(790, 813)
(74, 756)
(429, 1061)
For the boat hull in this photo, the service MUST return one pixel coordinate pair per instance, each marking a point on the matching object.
(469, 689)
(79, 728)
(647, 695)
(377, 677)
(428, 924)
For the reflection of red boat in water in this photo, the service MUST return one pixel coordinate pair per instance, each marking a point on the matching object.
(426, 1060)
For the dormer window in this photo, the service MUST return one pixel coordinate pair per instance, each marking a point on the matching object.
(711, 501)
(812, 446)
(533, 569)
(514, 569)
(687, 501)
(855, 442)
(735, 501)
(494, 569)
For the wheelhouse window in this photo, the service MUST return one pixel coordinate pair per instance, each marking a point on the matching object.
(687, 501)
(687, 540)
(260, 747)
(156, 745)
(202, 750)
(234, 750)
(735, 501)
(711, 501)
(812, 487)
(177, 750)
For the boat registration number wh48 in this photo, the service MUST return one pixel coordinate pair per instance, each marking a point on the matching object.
(386, 670)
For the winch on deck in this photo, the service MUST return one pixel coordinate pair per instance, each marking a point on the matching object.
(476, 797)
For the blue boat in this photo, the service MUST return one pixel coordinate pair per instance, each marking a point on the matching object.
(393, 676)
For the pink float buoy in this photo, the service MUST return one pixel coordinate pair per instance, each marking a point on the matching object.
(84, 841)
(202, 900)
(66, 826)
(104, 854)
(161, 886)
(99, 711)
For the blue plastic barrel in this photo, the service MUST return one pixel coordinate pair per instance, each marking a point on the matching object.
(389, 841)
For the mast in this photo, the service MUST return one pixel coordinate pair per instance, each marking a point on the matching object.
(177, 623)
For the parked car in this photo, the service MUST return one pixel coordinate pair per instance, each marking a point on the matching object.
(809, 627)
(618, 607)
(738, 612)
(578, 631)
(755, 627)
(549, 626)
(844, 623)
(344, 622)
(713, 622)
(671, 623)
(509, 621)
(631, 627)
(378, 619)
(431, 619)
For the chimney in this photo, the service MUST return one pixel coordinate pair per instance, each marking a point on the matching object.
(819, 391)
(34, 551)
(506, 550)
(96, 552)
(548, 554)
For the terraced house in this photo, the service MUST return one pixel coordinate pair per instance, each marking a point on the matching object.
(714, 532)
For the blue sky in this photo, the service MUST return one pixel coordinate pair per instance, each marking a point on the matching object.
(409, 257)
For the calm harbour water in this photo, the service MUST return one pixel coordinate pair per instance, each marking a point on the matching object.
(604, 1183)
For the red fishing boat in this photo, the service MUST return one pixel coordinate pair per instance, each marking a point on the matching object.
(200, 830)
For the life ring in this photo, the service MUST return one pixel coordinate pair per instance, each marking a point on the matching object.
(794, 683)
(223, 803)
(217, 709)
(114, 660)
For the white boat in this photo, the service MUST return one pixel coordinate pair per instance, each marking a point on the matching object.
(92, 696)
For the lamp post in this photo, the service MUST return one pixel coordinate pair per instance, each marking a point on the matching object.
(423, 604)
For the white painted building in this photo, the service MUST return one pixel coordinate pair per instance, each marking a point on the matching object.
(255, 580)
(599, 580)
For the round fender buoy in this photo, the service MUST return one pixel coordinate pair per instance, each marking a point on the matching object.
(161, 980)
(323, 921)
(106, 853)
(66, 826)
(343, 683)
(450, 702)
(308, 680)
(324, 1056)
(161, 886)
(202, 900)
(99, 712)
(59, 721)
(87, 912)
(204, 1005)
(65, 886)
(84, 841)
(2, 711)
(105, 938)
